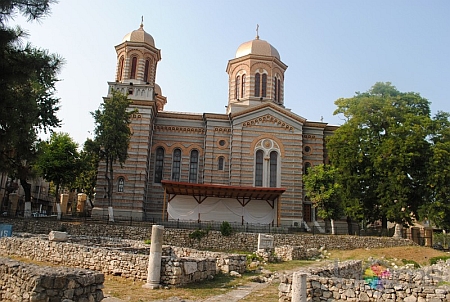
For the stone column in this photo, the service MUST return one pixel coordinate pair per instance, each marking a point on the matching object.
(154, 261)
(299, 287)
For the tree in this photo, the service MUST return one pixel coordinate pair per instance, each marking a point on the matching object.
(58, 161)
(437, 209)
(89, 159)
(27, 85)
(381, 153)
(323, 190)
(112, 134)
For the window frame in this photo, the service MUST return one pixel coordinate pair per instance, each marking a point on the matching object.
(133, 67)
(146, 70)
(176, 164)
(120, 73)
(159, 165)
(120, 184)
(257, 84)
(220, 163)
(193, 166)
(259, 168)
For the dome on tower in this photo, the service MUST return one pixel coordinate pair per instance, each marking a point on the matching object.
(158, 89)
(257, 47)
(139, 35)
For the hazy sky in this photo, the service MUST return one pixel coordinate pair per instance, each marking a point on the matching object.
(333, 49)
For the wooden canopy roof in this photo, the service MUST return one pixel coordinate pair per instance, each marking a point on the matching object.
(223, 191)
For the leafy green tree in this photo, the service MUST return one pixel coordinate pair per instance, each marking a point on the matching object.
(27, 85)
(324, 191)
(437, 209)
(112, 134)
(58, 161)
(381, 153)
(89, 159)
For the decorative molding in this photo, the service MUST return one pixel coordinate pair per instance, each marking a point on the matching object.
(309, 136)
(268, 118)
(180, 129)
(222, 129)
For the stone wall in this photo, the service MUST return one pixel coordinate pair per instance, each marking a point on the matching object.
(289, 252)
(224, 262)
(28, 282)
(179, 266)
(334, 283)
(212, 241)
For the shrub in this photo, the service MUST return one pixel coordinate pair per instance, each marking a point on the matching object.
(226, 229)
(197, 234)
(147, 241)
(435, 260)
(416, 265)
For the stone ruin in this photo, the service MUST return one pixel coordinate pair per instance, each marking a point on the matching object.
(344, 281)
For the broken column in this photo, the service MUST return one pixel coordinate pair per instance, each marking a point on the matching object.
(154, 261)
(299, 287)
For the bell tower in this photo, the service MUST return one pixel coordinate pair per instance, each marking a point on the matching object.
(255, 75)
(137, 59)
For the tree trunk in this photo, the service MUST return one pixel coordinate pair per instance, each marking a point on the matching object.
(398, 233)
(349, 226)
(333, 229)
(27, 189)
(384, 230)
(110, 189)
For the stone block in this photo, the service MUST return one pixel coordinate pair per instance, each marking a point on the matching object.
(57, 236)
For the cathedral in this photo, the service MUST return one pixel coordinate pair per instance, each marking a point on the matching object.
(242, 166)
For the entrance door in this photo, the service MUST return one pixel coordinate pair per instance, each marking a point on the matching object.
(307, 212)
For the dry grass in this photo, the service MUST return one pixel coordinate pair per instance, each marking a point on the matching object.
(419, 254)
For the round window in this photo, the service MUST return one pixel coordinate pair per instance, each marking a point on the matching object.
(307, 149)
(222, 142)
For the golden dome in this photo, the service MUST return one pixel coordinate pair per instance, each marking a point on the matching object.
(139, 35)
(257, 47)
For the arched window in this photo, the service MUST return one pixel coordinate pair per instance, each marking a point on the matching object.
(119, 75)
(279, 90)
(237, 84)
(306, 167)
(176, 165)
(133, 68)
(193, 166)
(257, 82)
(264, 85)
(220, 163)
(275, 91)
(159, 164)
(273, 169)
(147, 65)
(259, 168)
(120, 184)
(243, 86)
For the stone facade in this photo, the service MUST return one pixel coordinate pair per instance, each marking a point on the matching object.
(28, 282)
(213, 148)
(343, 282)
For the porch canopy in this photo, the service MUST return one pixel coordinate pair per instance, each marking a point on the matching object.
(211, 202)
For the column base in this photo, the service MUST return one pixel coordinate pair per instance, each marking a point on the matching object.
(152, 286)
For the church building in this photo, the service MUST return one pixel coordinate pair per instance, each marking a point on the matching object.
(243, 166)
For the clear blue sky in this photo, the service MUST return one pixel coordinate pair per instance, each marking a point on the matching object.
(333, 49)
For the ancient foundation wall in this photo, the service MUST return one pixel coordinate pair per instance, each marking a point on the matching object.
(28, 282)
(213, 239)
(344, 282)
(179, 266)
